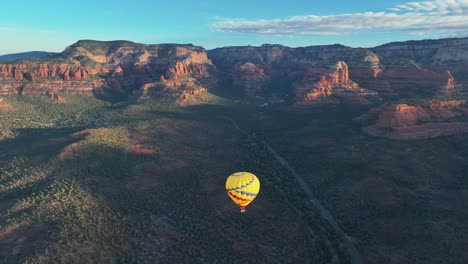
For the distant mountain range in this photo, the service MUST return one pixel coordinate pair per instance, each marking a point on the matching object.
(24, 55)
(332, 73)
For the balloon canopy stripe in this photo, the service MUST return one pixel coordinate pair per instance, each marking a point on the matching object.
(243, 200)
(243, 192)
(246, 185)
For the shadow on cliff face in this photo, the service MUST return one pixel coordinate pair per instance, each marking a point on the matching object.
(201, 112)
(110, 96)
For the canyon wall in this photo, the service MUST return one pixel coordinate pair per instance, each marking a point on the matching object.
(96, 67)
(302, 75)
(394, 70)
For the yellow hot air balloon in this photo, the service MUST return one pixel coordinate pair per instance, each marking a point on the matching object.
(242, 187)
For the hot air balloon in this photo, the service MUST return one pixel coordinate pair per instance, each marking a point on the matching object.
(242, 187)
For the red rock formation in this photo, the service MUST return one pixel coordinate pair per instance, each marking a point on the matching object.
(55, 97)
(334, 82)
(146, 86)
(4, 106)
(404, 81)
(393, 70)
(427, 120)
(86, 65)
(183, 68)
(117, 72)
(5, 70)
(450, 81)
(43, 71)
(29, 76)
(339, 73)
(33, 78)
(7, 89)
(402, 115)
(199, 91)
(79, 74)
(17, 73)
(65, 71)
(249, 78)
(446, 104)
(173, 82)
(185, 96)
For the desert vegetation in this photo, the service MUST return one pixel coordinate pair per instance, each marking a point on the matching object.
(95, 181)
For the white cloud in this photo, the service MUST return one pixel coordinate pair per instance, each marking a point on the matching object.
(452, 5)
(441, 17)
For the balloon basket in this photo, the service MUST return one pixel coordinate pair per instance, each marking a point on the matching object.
(242, 210)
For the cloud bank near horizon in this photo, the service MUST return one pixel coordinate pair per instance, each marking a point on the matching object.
(448, 18)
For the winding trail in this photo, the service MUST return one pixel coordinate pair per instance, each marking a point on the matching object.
(353, 252)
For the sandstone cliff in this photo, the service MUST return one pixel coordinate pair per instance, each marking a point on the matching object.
(417, 120)
(97, 67)
(335, 83)
(425, 66)
(394, 70)
(306, 74)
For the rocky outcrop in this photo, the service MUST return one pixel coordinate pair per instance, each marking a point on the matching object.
(182, 68)
(417, 121)
(394, 70)
(402, 115)
(424, 67)
(173, 82)
(4, 106)
(185, 96)
(160, 90)
(20, 78)
(441, 52)
(250, 79)
(336, 78)
(29, 76)
(335, 83)
(134, 65)
(181, 81)
(450, 85)
(306, 74)
(85, 87)
(55, 97)
(32, 70)
(118, 71)
(339, 74)
(95, 67)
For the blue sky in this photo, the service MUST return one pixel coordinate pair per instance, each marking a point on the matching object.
(52, 25)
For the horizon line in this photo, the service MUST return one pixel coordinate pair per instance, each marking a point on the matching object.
(248, 45)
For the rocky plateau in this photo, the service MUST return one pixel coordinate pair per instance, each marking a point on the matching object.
(416, 120)
(301, 76)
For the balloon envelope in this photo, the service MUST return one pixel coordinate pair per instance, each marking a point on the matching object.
(242, 187)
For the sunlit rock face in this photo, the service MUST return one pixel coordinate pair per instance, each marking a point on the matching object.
(394, 70)
(416, 120)
(90, 67)
(301, 75)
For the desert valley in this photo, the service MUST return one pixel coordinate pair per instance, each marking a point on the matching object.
(115, 151)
